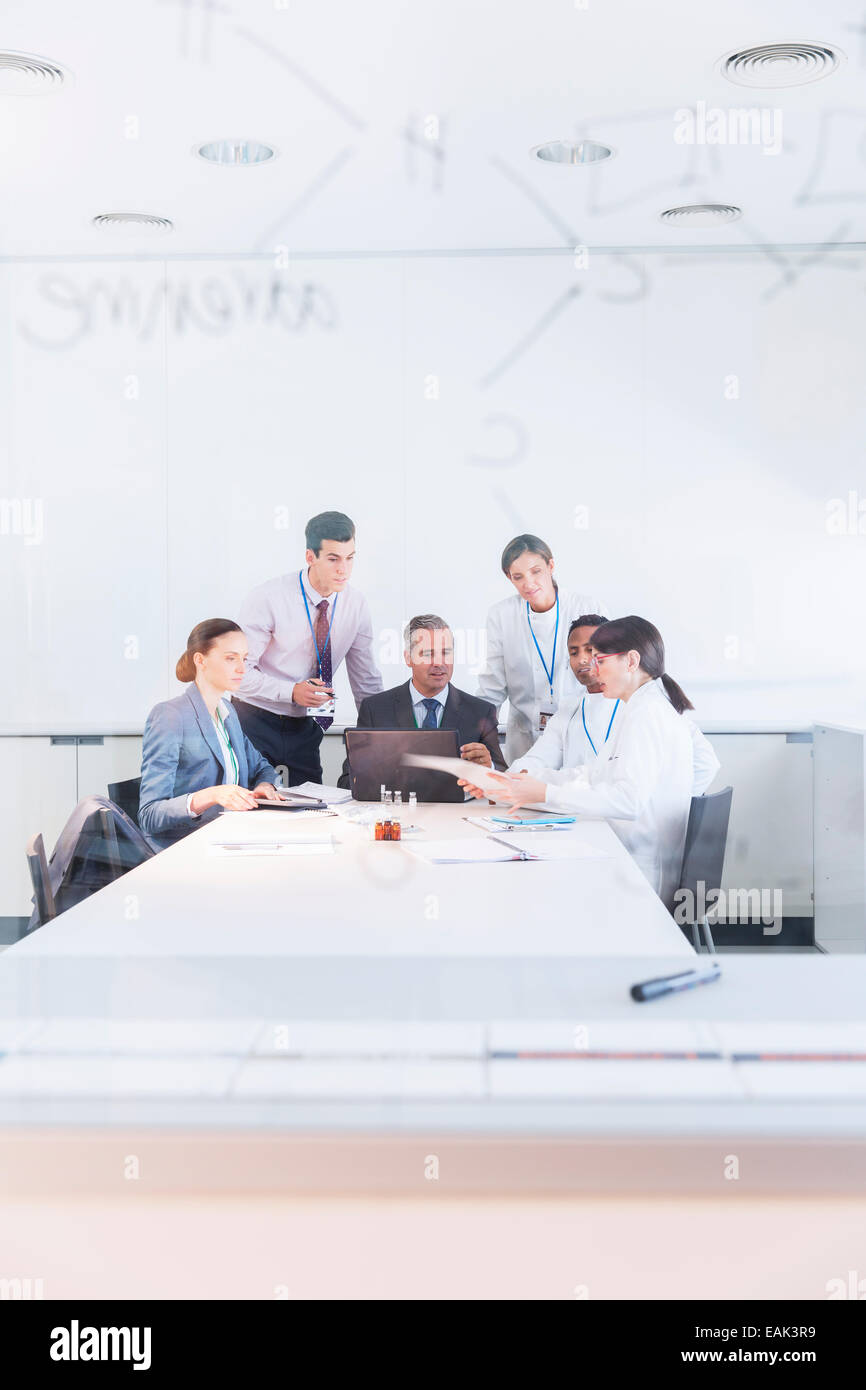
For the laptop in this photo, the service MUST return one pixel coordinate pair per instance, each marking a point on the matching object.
(376, 757)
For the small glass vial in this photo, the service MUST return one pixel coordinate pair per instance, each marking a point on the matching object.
(396, 830)
(413, 803)
(398, 800)
(379, 831)
(387, 797)
(386, 830)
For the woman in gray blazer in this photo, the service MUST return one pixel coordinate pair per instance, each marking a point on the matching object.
(196, 760)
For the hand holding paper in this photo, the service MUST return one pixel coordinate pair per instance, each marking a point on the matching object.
(481, 782)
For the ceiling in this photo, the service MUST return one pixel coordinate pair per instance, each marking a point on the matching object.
(349, 94)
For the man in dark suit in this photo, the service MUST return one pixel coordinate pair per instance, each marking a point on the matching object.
(429, 701)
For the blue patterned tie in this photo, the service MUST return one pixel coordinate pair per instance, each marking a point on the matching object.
(430, 721)
(324, 721)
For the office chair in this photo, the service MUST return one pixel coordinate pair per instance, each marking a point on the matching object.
(704, 856)
(43, 896)
(125, 795)
(97, 844)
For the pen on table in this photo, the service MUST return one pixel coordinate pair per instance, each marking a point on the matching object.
(521, 853)
(672, 984)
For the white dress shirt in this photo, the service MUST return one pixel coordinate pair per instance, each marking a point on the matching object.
(565, 745)
(513, 669)
(419, 709)
(642, 783)
(229, 761)
(282, 651)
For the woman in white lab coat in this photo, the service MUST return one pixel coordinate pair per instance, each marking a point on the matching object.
(527, 661)
(642, 781)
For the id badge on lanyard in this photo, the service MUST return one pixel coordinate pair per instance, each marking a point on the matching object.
(548, 708)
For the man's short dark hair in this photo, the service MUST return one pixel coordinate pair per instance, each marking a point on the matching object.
(329, 526)
(586, 620)
(424, 622)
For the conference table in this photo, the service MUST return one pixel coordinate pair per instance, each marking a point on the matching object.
(365, 1039)
(342, 893)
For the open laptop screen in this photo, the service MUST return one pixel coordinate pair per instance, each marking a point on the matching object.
(376, 757)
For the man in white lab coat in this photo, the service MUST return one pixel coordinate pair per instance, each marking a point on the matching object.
(583, 726)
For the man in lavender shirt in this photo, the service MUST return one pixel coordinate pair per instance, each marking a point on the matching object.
(299, 628)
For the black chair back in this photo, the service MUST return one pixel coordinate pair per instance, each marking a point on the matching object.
(97, 844)
(704, 856)
(43, 896)
(125, 795)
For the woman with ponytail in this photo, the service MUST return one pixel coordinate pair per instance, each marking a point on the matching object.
(642, 779)
(195, 760)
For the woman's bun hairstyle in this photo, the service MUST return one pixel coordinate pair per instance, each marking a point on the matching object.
(185, 668)
(201, 639)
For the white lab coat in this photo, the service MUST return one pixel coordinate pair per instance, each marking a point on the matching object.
(513, 671)
(641, 782)
(564, 744)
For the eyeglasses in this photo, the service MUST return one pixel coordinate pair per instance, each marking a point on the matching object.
(604, 656)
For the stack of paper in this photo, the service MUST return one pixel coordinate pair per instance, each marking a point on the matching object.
(332, 796)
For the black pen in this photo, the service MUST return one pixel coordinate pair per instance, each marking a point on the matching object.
(672, 984)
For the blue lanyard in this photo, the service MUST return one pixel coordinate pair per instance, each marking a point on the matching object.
(319, 654)
(586, 730)
(549, 673)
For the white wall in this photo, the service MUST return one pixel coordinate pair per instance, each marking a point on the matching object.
(178, 422)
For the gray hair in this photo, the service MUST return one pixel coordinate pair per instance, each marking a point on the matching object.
(423, 622)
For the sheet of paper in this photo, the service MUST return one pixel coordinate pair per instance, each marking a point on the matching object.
(469, 851)
(251, 849)
(820, 1081)
(483, 777)
(120, 1078)
(552, 844)
(146, 1036)
(351, 1080)
(615, 1080)
(839, 1038)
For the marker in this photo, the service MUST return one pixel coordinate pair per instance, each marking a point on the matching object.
(673, 984)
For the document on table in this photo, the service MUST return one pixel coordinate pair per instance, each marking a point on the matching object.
(551, 844)
(463, 851)
(251, 848)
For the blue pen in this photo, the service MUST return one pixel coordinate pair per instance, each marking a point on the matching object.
(672, 984)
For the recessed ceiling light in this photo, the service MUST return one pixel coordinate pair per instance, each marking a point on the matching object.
(780, 64)
(26, 74)
(572, 152)
(235, 152)
(144, 220)
(700, 215)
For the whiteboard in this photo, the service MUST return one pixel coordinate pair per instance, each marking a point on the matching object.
(685, 431)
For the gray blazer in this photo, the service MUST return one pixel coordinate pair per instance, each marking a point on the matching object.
(181, 754)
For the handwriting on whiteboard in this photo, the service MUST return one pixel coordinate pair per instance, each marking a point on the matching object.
(68, 308)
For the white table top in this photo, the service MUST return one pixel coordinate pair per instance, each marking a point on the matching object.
(367, 899)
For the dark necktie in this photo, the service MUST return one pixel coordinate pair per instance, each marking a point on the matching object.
(430, 721)
(324, 721)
